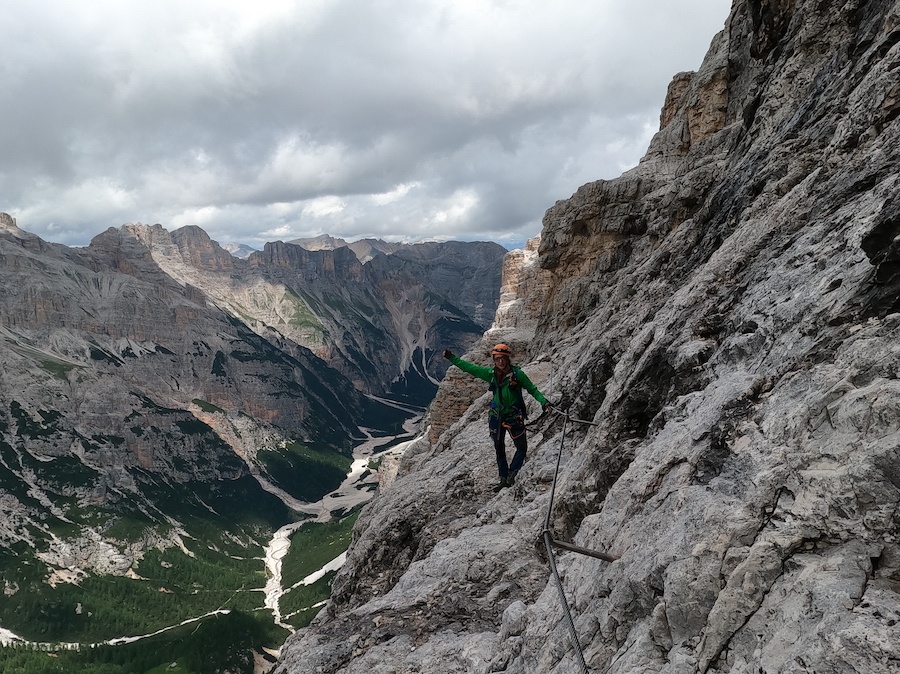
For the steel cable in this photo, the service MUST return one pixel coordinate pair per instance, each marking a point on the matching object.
(549, 542)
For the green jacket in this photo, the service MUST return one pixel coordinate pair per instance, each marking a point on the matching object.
(508, 400)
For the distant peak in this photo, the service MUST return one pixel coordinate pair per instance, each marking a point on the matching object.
(147, 234)
(8, 223)
(192, 231)
(241, 250)
(321, 242)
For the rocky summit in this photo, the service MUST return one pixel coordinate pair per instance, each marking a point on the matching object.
(726, 317)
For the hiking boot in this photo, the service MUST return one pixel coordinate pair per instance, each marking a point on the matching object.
(504, 482)
(511, 478)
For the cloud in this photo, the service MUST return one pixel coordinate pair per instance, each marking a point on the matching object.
(402, 119)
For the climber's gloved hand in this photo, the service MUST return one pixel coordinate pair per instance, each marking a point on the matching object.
(448, 354)
(546, 406)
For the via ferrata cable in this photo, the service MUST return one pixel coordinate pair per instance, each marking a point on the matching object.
(550, 542)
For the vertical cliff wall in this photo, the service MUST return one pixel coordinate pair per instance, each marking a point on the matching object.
(726, 313)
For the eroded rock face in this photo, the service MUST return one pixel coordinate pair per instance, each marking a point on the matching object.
(726, 313)
(381, 324)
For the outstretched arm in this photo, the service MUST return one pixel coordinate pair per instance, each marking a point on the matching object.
(479, 371)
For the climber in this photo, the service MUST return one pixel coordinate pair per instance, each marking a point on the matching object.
(507, 411)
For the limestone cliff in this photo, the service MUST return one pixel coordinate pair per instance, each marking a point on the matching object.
(381, 324)
(726, 313)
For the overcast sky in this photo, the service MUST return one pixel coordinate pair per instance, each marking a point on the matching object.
(261, 120)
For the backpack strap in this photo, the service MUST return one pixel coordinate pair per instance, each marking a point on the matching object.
(515, 385)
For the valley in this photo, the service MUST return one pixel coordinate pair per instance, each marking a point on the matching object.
(182, 459)
(292, 551)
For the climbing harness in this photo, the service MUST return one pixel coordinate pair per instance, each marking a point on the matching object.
(516, 427)
(550, 542)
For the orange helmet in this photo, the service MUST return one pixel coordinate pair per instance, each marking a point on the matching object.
(501, 350)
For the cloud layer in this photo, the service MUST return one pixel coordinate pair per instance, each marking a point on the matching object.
(400, 119)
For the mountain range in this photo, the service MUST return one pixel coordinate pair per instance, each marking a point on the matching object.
(165, 405)
(714, 490)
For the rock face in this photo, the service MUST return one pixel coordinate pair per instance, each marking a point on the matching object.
(726, 313)
(378, 313)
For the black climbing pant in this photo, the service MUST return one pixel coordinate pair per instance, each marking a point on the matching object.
(516, 428)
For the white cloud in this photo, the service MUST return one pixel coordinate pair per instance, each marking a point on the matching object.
(324, 206)
(201, 217)
(394, 195)
(457, 210)
(395, 118)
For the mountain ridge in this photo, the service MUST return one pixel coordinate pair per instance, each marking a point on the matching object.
(331, 303)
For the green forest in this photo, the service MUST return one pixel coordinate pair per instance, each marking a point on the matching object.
(212, 646)
(312, 547)
(193, 599)
(172, 585)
